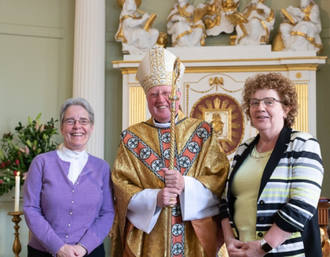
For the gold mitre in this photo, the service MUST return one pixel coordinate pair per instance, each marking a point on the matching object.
(156, 69)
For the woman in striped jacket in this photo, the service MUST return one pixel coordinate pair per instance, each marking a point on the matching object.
(270, 202)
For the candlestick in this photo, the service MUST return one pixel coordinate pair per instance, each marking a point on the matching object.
(17, 188)
(17, 244)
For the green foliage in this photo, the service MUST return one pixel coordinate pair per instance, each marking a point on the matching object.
(17, 151)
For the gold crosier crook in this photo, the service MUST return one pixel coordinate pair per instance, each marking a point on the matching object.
(173, 98)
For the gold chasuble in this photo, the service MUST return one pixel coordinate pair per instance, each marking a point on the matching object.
(143, 152)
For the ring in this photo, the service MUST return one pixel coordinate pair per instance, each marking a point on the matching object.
(172, 199)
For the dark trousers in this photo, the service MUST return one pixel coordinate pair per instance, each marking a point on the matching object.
(97, 252)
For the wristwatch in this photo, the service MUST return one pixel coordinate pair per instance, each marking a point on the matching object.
(265, 246)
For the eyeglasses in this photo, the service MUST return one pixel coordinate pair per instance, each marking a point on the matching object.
(156, 94)
(71, 122)
(267, 101)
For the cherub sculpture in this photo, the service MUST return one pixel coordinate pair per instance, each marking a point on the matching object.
(255, 24)
(135, 31)
(185, 25)
(300, 30)
(218, 18)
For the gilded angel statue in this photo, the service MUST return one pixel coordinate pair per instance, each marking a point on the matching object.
(185, 25)
(255, 24)
(218, 18)
(135, 32)
(300, 29)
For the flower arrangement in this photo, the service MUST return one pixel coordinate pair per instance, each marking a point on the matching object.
(18, 151)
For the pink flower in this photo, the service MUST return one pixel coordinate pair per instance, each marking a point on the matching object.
(37, 125)
(27, 150)
(17, 162)
(1, 181)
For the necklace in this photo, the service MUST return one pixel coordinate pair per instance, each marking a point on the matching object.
(259, 156)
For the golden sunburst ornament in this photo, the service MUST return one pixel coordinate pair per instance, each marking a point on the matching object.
(224, 114)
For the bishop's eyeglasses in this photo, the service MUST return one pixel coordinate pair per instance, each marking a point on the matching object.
(165, 94)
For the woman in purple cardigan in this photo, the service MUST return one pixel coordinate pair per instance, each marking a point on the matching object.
(68, 200)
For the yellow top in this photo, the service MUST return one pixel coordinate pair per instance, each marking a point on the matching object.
(246, 186)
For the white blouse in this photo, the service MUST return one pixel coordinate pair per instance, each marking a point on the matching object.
(77, 161)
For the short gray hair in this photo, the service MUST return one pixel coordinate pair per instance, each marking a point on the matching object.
(77, 101)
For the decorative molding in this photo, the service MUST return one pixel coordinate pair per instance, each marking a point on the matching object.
(216, 69)
(251, 68)
(31, 31)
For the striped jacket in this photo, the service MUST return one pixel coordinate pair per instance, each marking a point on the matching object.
(289, 192)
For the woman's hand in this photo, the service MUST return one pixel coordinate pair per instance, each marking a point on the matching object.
(234, 246)
(240, 249)
(81, 250)
(67, 251)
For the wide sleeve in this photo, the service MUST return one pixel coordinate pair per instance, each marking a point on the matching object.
(33, 213)
(212, 166)
(197, 202)
(143, 211)
(101, 226)
(306, 181)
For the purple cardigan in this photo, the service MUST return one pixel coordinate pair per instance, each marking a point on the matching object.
(58, 212)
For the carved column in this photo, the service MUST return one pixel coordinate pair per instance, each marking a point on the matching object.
(89, 64)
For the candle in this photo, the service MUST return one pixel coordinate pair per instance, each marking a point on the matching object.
(17, 188)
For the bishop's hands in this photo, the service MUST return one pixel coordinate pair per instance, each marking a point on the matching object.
(167, 197)
(174, 179)
(174, 182)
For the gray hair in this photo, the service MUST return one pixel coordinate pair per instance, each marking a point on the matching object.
(77, 101)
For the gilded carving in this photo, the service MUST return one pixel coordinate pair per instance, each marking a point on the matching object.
(224, 114)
